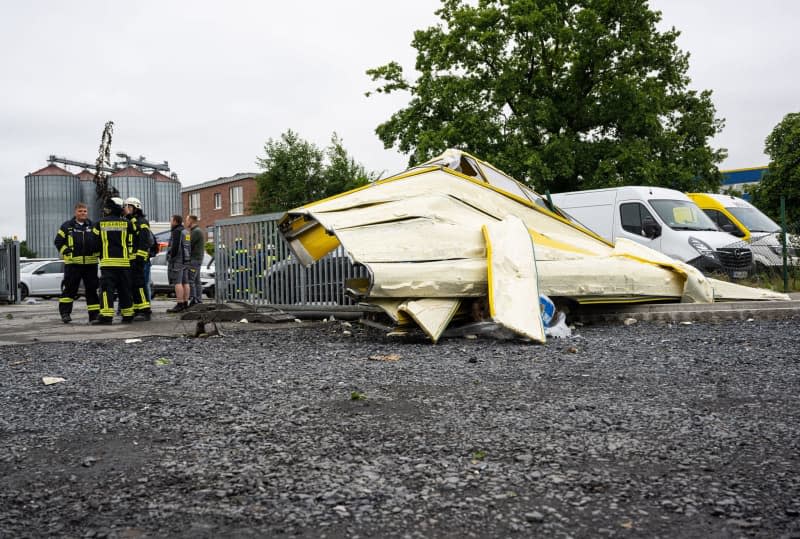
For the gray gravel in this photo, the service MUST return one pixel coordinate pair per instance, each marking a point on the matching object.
(647, 430)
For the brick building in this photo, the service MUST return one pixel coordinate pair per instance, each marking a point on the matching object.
(221, 198)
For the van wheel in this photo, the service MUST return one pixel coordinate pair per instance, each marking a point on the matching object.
(23, 291)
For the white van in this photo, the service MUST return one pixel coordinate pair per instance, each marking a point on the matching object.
(743, 220)
(662, 219)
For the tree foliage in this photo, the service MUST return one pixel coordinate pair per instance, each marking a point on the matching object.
(297, 172)
(783, 177)
(561, 94)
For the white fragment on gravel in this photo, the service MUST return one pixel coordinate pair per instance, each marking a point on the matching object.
(243, 321)
(629, 321)
(131, 341)
(50, 380)
(686, 323)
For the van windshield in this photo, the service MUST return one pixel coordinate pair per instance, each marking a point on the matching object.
(682, 215)
(754, 220)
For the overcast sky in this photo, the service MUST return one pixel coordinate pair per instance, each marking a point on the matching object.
(204, 84)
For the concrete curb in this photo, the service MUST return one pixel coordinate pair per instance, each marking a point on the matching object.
(689, 312)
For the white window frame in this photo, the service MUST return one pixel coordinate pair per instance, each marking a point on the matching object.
(194, 203)
(217, 201)
(237, 200)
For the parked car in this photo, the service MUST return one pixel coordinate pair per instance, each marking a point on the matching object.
(662, 219)
(159, 280)
(41, 278)
(740, 218)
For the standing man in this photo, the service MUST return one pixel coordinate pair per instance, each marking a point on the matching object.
(77, 246)
(115, 234)
(197, 251)
(178, 256)
(140, 256)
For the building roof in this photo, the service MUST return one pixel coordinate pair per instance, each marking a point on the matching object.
(85, 175)
(129, 171)
(220, 181)
(157, 176)
(51, 170)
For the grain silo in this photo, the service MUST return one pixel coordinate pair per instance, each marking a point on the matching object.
(168, 195)
(89, 194)
(132, 182)
(50, 197)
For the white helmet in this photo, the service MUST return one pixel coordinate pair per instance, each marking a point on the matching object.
(135, 202)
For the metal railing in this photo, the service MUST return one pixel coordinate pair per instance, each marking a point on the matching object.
(253, 264)
(9, 272)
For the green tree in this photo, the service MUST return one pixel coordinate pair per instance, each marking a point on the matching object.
(297, 172)
(561, 94)
(342, 172)
(783, 177)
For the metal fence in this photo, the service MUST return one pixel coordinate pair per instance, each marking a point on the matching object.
(9, 272)
(253, 264)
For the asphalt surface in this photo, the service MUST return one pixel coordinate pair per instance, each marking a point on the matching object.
(651, 429)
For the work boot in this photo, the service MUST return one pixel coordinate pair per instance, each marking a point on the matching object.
(66, 318)
(143, 317)
(177, 308)
(127, 319)
(102, 321)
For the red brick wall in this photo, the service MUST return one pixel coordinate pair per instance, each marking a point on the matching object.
(208, 215)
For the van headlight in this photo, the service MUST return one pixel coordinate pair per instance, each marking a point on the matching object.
(701, 247)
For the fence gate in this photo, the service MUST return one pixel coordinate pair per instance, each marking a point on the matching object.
(253, 264)
(9, 272)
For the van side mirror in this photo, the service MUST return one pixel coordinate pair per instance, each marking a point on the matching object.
(650, 228)
(730, 228)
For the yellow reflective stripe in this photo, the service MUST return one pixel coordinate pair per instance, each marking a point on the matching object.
(141, 253)
(61, 233)
(65, 300)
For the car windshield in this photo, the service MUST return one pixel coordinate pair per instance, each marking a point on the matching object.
(754, 220)
(682, 215)
(28, 267)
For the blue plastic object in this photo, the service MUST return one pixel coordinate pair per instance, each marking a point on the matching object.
(548, 309)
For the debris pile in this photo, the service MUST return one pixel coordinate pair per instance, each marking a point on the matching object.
(455, 239)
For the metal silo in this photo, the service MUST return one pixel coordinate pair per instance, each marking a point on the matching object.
(89, 194)
(132, 182)
(168, 195)
(50, 197)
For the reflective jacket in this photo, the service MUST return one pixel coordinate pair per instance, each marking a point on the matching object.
(142, 238)
(116, 241)
(76, 243)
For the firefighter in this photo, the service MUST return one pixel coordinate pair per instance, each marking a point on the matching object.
(78, 247)
(115, 235)
(140, 256)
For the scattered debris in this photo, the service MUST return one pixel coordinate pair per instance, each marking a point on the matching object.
(50, 380)
(131, 341)
(470, 244)
(9, 316)
(385, 357)
(160, 362)
(357, 396)
(31, 301)
(572, 350)
(629, 321)
(686, 323)
(243, 321)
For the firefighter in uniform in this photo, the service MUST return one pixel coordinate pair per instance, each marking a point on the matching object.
(115, 234)
(78, 247)
(142, 241)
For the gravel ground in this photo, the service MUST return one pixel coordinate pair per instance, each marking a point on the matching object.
(648, 430)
